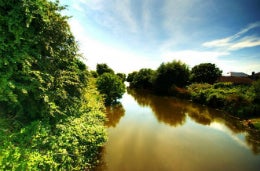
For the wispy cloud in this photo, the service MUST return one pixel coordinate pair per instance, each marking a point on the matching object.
(237, 41)
(122, 60)
(132, 34)
(123, 11)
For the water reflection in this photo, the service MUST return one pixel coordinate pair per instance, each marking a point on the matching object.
(173, 112)
(163, 133)
(253, 140)
(170, 110)
(114, 113)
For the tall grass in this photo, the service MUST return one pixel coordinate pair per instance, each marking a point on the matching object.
(239, 100)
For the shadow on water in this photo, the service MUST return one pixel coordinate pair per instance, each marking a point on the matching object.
(114, 113)
(173, 112)
(139, 142)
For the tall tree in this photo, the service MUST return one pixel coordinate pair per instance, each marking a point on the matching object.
(143, 79)
(130, 76)
(103, 68)
(111, 86)
(171, 74)
(205, 73)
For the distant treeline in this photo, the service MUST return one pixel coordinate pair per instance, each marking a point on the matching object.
(171, 75)
(200, 85)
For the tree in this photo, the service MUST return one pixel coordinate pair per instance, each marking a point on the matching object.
(130, 76)
(122, 76)
(103, 68)
(171, 74)
(41, 75)
(143, 79)
(111, 86)
(205, 73)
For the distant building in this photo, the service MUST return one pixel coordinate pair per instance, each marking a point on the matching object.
(238, 78)
(237, 74)
(255, 76)
(235, 79)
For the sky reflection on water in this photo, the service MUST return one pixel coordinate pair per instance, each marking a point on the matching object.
(161, 133)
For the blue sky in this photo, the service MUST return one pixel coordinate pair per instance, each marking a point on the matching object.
(132, 34)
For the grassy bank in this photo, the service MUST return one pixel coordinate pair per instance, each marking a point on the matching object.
(73, 143)
(239, 100)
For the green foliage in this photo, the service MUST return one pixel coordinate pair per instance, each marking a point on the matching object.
(256, 88)
(143, 79)
(111, 86)
(40, 73)
(103, 68)
(94, 74)
(130, 76)
(205, 73)
(47, 121)
(122, 76)
(73, 143)
(171, 74)
(240, 100)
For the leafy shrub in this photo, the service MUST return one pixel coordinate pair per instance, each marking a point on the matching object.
(240, 100)
(111, 87)
(169, 74)
(73, 143)
(41, 75)
(143, 79)
(130, 76)
(46, 122)
(104, 68)
(205, 73)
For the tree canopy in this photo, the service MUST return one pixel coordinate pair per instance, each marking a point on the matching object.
(170, 74)
(104, 68)
(143, 78)
(111, 86)
(205, 73)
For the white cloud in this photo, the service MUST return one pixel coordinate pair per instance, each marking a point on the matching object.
(116, 19)
(237, 41)
(218, 43)
(124, 12)
(235, 137)
(121, 60)
(245, 43)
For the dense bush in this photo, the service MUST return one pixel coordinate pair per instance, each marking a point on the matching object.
(111, 87)
(143, 79)
(205, 73)
(47, 121)
(130, 76)
(239, 100)
(167, 79)
(41, 75)
(171, 74)
(73, 143)
(104, 68)
(122, 76)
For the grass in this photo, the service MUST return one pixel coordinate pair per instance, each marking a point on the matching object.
(256, 123)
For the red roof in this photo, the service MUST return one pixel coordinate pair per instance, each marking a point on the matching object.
(236, 80)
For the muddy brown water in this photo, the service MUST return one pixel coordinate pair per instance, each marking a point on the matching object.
(152, 133)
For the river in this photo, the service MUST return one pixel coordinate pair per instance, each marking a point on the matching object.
(152, 133)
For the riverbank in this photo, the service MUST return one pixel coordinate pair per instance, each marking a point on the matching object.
(73, 143)
(240, 101)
